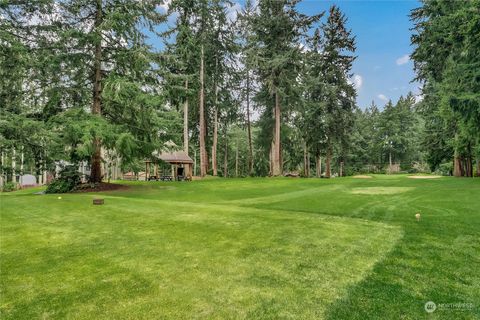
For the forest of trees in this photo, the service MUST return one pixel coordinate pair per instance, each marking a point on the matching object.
(447, 61)
(260, 92)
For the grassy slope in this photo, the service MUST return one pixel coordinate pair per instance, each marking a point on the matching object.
(251, 248)
(438, 259)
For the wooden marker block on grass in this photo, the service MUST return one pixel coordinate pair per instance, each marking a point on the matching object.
(98, 201)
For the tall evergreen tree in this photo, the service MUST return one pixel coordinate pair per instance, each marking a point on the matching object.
(278, 29)
(181, 62)
(314, 106)
(339, 92)
(222, 51)
(247, 54)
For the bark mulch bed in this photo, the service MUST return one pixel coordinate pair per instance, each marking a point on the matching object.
(102, 186)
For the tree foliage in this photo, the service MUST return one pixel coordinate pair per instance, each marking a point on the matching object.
(446, 54)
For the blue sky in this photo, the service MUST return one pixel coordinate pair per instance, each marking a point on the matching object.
(382, 30)
(382, 70)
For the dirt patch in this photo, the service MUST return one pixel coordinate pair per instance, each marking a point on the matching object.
(381, 190)
(424, 177)
(98, 187)
(362, 177)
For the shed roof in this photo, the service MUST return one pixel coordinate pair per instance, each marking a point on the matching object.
(175, 157)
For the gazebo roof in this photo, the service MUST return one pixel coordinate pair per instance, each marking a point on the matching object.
(175, 157)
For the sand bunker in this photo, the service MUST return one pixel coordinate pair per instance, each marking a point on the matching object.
(362, 177)
(424, 177)
(381, 190)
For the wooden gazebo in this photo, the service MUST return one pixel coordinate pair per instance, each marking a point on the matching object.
(181, 164)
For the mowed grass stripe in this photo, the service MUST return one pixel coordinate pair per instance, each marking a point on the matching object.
(179, 260)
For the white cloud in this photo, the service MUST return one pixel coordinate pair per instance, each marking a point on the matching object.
(357, 81)
(403, 59)
(382, 97)
(418, 94)
(418, 98)
(165, 8)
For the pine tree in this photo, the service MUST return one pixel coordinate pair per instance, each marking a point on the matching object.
(222, 48)
(278, 29)
(27, 98)
(180, 62)
(314, 107)
(339, 96)
(247, 56)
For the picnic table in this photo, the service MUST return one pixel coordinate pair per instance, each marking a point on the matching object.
(166, 178)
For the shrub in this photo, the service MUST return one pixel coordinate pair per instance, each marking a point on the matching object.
(445, 169)
(350, 171)
(68, 179)
(9, 186)
(420, 167)
(407, 167)
(87, 186)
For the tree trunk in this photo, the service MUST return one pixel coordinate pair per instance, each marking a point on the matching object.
(305, 169)
(270, 157)
(277, 165)
(468, 167)
(457, 165)
(195, 161)
(249, 128)
(44, 173)
(21, 166)
(280, 161)
(225, 156)
(2, 168)
(14, 165)
(21, 162)
(203, 151)
(318, 161)
(38, 169)
(96, 160)
(478, 167)
(341, 168)
(215, 133)
(328, 169)
(236, 160)
(308, 164)
(185, 120)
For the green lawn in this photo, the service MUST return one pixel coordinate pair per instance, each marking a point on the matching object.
(245, 249)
